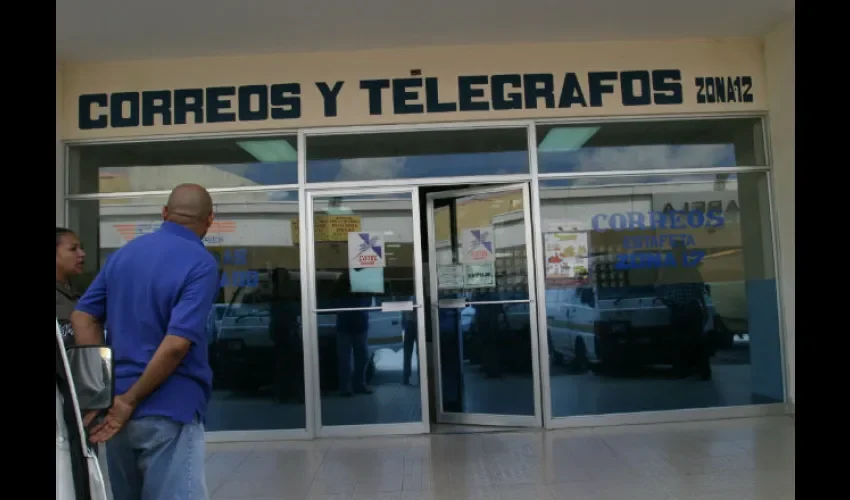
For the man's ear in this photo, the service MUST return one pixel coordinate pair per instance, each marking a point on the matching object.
(164, 213)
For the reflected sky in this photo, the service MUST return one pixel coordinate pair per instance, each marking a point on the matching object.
(265, 174)
(587, 159)
(591, 159)
(624, 181)
(408, 167)
(650, 157)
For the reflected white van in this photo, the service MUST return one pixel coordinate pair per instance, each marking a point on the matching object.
(590, 326)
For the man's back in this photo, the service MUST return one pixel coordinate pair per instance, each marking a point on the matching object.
(160, 283)
(154, 296)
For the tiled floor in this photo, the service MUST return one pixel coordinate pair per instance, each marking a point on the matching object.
(740, 459)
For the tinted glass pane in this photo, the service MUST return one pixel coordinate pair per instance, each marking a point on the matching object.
(155, 166)
(254, 328)
(408, 155)
(650, 145)
(368, 362)
(660, 294)
(485, 337)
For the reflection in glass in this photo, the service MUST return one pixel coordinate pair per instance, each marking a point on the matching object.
(368, 370)
(652, 145)
(409, 155)
(660, 294)
(155, 166)
(254, 328)
(485, 343)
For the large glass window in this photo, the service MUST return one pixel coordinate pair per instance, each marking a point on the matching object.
(254, 328)
(650, 145)
(660, 293)
(410, 155)
(159, 166)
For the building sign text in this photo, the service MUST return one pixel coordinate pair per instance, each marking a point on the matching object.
(417, 95)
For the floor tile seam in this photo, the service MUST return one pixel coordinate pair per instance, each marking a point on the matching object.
(628, 462)
(221, 483)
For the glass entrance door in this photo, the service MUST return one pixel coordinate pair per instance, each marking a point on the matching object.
(367, 321)
(483, 313)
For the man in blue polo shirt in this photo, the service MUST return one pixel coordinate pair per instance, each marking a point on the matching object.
(154, 296)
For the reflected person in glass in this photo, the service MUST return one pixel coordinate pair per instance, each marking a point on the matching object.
(682, 289)
(491, 329)
(410, 331)
(286, 336)
(352, 338)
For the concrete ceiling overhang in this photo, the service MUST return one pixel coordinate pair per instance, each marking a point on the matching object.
(92, 30)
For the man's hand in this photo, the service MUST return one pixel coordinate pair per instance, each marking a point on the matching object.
(116, 418)
(165, 360)
(88, 417)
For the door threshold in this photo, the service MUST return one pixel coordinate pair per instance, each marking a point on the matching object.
(472, 429)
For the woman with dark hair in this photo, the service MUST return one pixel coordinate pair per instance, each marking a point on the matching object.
(70, 262)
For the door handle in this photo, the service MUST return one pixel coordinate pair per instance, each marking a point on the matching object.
(402, 306)
(452, 304)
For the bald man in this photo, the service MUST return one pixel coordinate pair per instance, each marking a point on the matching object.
(161, 287)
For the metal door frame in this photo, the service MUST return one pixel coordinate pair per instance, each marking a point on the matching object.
(309, 311)
(535, 420)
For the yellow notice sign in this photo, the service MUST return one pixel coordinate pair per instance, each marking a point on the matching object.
(330, 227)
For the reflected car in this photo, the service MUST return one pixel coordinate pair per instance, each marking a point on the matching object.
(214, 322)
(589, 326)
(245, 351)
(515, 321)
(213, 325)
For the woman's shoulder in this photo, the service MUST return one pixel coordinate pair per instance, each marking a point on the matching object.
(66, 300)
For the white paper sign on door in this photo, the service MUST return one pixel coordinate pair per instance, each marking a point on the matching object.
(366, 250)
(449, 277)
(478, 245)
(479, 275)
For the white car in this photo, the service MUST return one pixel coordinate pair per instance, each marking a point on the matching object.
(84, 378)
(589, 325)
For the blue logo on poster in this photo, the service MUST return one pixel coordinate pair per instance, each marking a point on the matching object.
(369, 244)
(480, 239)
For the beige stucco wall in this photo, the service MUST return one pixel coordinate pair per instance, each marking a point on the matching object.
(60, 152)
(779, 62)
(715, 58)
